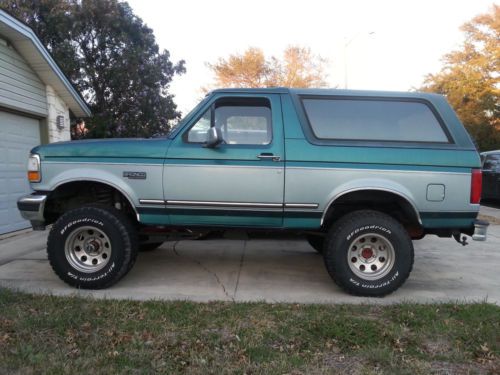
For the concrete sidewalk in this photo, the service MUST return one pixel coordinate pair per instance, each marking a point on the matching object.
(272, 270)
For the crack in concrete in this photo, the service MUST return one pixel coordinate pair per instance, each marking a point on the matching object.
(216, 277)
(239, 270)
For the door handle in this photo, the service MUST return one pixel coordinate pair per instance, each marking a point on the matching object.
(268, 156)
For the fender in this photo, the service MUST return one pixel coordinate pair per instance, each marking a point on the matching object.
(371, 184)
(51, 181)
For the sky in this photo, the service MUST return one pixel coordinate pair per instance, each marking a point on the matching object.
(391, 45)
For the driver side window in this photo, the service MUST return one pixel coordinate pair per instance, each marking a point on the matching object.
(242, 121)
(198, 133)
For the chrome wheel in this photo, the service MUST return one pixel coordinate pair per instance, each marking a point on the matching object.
(371, 256)
(88, 249)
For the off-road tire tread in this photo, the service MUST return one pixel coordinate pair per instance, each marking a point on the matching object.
(125, 228)
(351, 220)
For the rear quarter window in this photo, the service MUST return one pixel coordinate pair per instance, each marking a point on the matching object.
(373, 120)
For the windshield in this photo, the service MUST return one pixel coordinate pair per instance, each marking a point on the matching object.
(179, 125)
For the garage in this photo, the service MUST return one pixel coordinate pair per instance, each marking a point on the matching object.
(18, 135)
(36, 103)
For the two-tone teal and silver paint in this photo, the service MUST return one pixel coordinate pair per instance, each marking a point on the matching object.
(240, 185)
(105, 161)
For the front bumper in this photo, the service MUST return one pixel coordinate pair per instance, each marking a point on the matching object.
(31, 208)
(480, 230)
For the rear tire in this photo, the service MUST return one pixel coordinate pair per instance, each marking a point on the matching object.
(368, 253)
(92, 247)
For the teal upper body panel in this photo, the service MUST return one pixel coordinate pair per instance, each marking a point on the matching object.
(295, 131)
(105, 149)
(301, 145)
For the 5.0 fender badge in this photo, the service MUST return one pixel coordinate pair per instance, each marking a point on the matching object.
(135, 175)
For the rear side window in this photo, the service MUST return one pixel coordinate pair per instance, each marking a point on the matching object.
(373, 120)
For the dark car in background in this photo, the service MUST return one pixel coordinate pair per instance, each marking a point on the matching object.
(491, 175)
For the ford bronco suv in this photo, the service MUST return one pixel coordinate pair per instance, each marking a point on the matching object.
(360, 174)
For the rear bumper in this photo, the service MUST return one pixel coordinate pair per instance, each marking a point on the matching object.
(31, 208)
(480, 230)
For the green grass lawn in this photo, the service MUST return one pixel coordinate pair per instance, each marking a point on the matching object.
(46, 334)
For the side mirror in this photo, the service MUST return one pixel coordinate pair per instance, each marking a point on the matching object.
(214, 137)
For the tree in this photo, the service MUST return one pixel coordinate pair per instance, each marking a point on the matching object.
(111, 57)
(298, 68)
(470, 79)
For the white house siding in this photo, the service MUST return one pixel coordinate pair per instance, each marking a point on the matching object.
(56, 107)
(20, 87)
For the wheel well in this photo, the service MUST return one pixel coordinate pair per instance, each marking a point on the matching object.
(383, 201)
(81, 193)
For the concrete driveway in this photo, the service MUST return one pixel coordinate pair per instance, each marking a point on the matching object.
(273, 270)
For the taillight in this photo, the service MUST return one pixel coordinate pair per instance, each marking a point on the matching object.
(476, 186)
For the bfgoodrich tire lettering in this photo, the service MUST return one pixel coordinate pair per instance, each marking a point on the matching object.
(92, 247)
(368, 253)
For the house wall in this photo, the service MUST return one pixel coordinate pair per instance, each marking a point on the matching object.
(21, 90)
(20, 87)
(56, 107)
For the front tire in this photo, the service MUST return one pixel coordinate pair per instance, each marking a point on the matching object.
(316, 242)
(368, 253)
(92, 247)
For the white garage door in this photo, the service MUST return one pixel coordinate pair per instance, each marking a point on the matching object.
(18, 135)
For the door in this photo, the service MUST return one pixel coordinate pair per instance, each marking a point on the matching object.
(237, 183)
(18, 135)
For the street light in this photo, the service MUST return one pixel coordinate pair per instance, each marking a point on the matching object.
(346, 44)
